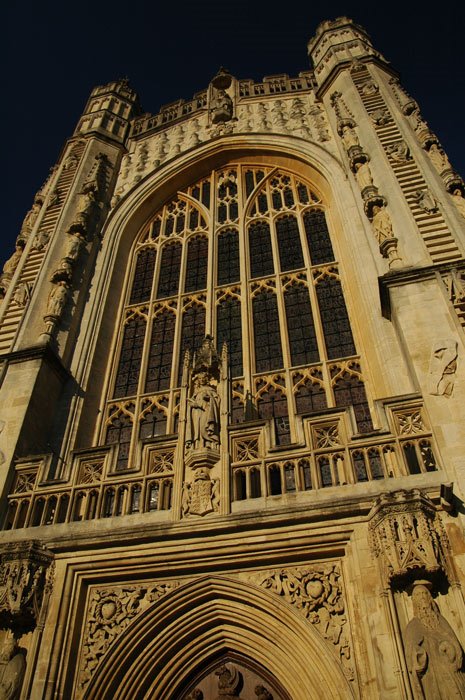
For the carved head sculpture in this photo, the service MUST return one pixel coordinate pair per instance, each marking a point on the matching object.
(424, 607)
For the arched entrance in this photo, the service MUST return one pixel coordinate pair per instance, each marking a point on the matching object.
(193, 630)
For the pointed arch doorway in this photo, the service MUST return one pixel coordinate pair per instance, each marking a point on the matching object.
(209, 623)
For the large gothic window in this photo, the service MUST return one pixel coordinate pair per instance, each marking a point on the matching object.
(245, 255)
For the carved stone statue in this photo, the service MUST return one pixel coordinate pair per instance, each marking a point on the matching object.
(12, 668)
(382, 224)
(459, 201)
(363, 175)
(57, 300)
(12, 263)
(443, 366)
(22, 293)
(380, 116)
(438, 158)
(434, 655)
(74, 245)
(370, 88)
(87, 211)
(40, 240)
(399, 151)
(222, 107)
(349, 137)
(30, 218)
(425, 201)
(203, 420)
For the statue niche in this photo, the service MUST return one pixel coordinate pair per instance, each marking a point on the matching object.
(202, 430)
(203, 421)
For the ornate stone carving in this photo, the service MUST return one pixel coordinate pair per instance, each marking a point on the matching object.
(343, 115)
(425, 135)
(229, 680)
(30, 219)
(203, 421)
(364, 177)
(443, 366)
(439, 158)
(382, 228)
(11, 264)
(201, 496)
(109, 612)
(459, 201)
(57, 301)
(425, 200)
(381, 116)
(22, 293)
(399, 152)
(12, 668)
(407, 537)
(26, 575)
(317, 593)
(196, 694)
(40, 241)
(433, 652)
(88, 212)
(221, 104)
(262, 693)
(321, 127)
(370, 88)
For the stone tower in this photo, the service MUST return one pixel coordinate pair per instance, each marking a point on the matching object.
(232, 386)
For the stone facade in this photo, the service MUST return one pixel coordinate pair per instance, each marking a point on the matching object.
(232, 435)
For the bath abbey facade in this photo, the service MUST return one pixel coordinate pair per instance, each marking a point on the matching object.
(232, 424)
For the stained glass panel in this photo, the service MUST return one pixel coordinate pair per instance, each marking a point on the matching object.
(127, 376)
(261, 253)
(168, 281)
(229, 330)
(268, 352)
(318, 240)
(143, 276)
(228, 257)
(290, 250)
(161, 352)
(197, 260)
(334, 319)
(300, 326)
(192, 334)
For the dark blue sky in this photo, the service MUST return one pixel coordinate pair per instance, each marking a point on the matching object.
(57, 51)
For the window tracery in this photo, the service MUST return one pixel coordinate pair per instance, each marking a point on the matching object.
(275, 298)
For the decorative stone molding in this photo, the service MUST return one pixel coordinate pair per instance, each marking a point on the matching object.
(407, 537)
(110, 610)
(317, 593)
(26, 578)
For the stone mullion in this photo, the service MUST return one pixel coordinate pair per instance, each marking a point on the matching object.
(246, 299)
(324, 362)
(212, 265)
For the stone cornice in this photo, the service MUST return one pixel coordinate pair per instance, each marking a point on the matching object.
(37, 352)
(411, 275)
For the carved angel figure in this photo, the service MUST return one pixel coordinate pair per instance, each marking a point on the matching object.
(203, 416)
(434, 655)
